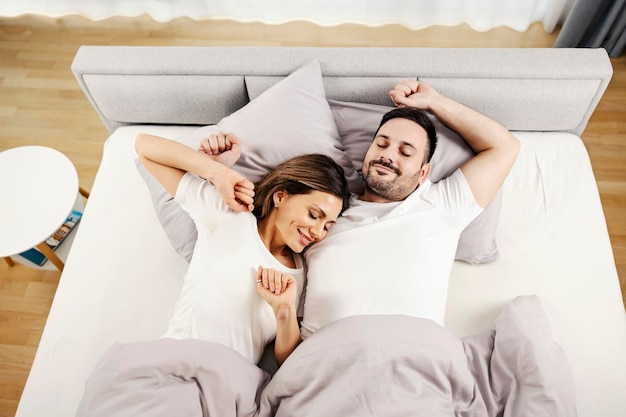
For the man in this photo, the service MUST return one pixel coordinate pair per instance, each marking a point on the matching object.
(393, 249)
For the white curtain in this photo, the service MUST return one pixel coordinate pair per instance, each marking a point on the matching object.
(481, 15)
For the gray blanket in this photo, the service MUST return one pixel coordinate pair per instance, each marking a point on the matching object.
(358, 366)
(168, 377)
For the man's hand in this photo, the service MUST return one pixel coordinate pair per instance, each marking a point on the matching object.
(412, 93)
(236, 190)
(221, 147)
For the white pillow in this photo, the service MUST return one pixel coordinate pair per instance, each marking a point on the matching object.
(290, 118)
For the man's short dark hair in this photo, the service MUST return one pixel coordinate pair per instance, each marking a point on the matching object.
(421, 118)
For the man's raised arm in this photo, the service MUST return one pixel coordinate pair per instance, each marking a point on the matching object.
(496, 148)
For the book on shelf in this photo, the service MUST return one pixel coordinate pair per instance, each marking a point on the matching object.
(55, 240)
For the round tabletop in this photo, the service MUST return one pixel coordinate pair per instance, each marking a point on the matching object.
(39, 186)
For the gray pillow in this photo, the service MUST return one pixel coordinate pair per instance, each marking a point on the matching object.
(357, 124)
(176, 222)
(290, 118)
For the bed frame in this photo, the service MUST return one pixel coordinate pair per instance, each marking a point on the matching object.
(120, 281)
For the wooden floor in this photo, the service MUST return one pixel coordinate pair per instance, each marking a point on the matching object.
(41, 103)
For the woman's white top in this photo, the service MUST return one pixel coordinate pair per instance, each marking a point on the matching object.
(219, 301)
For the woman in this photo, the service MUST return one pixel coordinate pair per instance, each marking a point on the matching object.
(247, 233)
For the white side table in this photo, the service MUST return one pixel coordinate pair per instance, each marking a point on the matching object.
(39, 188)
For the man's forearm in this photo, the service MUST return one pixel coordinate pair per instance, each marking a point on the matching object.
(479, 131)
(496, 148)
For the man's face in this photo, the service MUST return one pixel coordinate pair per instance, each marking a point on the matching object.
(394, 164)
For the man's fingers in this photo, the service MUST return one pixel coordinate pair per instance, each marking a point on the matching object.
(403, 89)
(398, 97)
(412, 84)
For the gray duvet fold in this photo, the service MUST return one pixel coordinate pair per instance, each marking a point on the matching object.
(404, 366)
(358, 366)
(519, 369)
(375, 366)
(167, 377)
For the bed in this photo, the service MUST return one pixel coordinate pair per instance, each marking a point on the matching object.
(550, 251)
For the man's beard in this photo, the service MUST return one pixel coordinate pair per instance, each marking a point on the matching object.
(395, 189)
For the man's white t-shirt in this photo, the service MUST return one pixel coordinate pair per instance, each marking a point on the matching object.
(389, 258)
(219, 302)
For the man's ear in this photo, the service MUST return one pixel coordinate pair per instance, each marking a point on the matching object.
(424, 173)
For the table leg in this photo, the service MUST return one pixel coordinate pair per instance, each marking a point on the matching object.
(9, 261)
(52, 257)
(83, 192)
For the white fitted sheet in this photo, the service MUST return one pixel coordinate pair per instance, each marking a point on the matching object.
(122, 277)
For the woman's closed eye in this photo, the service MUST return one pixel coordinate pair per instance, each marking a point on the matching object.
(316, 217)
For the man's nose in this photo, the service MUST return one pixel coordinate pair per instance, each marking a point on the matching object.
(387, 155)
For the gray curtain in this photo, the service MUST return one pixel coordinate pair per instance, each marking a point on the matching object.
(595, 24)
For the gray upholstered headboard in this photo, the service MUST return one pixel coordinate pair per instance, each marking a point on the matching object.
(525, 89)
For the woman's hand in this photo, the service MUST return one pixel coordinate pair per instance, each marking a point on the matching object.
(412, 93)
(221, 147)
(225, 149)
(277, 288)
(236, 190)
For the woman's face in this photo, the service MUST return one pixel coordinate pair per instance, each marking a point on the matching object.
(303, 219)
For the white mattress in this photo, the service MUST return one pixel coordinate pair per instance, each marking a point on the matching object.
(122, 277)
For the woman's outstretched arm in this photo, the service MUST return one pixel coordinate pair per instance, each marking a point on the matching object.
(168, 161)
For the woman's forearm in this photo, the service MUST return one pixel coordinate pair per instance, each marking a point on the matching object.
(175, 155)
(168, 161)
(287, 333)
